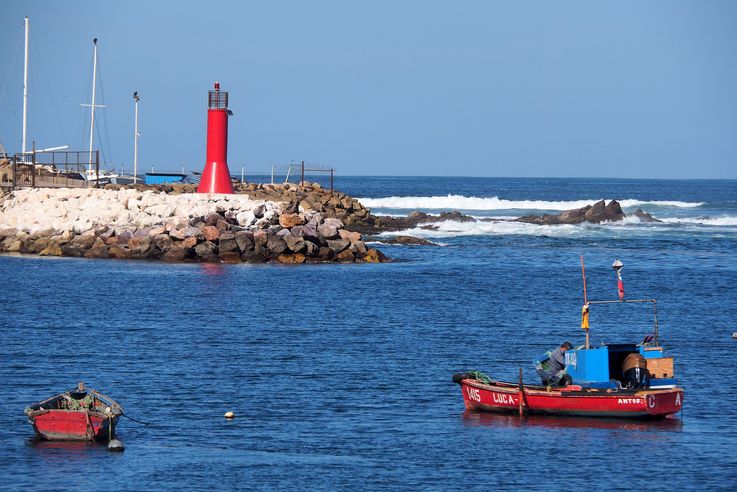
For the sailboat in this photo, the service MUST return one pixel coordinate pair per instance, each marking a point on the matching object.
(94, 174)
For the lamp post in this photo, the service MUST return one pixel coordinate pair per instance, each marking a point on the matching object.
(135, 139)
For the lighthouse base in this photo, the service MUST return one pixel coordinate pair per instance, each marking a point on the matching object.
(215, 179)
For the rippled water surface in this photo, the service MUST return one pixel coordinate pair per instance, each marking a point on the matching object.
(340, 374)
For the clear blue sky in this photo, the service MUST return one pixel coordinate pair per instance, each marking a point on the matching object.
(630, 89)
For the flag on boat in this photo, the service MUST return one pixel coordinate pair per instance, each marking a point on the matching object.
(585, 316)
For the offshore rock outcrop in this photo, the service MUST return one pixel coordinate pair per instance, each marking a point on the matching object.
(128, 223)
(596, 213)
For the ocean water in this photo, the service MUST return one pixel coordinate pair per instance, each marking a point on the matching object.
(340, 375)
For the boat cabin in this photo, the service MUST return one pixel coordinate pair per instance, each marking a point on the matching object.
(602, 367)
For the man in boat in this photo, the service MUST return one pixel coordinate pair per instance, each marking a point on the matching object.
(552, 370)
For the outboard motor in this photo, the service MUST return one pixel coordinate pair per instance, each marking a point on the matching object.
(634, 372)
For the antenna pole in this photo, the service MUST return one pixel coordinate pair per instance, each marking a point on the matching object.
(25, 89)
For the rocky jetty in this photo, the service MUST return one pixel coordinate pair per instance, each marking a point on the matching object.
(595, 214)
(372, 224)
(288, 224)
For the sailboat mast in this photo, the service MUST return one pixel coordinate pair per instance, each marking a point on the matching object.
(135, 140)
(25, 89)
(92, 106)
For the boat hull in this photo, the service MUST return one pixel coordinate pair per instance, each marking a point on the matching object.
(68, 425)
(505, 397)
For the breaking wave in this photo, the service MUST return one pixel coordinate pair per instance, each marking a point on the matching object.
(460, 202)
(706, 221)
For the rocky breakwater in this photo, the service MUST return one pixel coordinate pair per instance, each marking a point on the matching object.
(129, 223)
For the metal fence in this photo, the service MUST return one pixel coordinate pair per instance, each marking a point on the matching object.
(51, 169)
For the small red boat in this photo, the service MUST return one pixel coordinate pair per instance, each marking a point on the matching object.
(76, 415)
(624, 380)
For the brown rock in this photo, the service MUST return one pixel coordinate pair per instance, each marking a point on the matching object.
(408, 240)
(227, 245)
(213, 219)
(205, 249)
(349, 236)
(311, 249)
(290, 220)
(345, 255)
(645, 217)
(118, 252)
(175, 253)
(211, 233)
(163, 242)
(98, 250)
(260, 237)
(374, 256)
(189, 242)
(358, 247)
(291, 259)
(53, 249)
(230, 256)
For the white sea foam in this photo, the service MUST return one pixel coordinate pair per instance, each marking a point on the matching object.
(452, 228)
(460, 202)
(724, 221)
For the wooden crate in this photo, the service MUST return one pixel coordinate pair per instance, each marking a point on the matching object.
(661, 367)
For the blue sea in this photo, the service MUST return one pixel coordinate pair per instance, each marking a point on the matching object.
(340, 375)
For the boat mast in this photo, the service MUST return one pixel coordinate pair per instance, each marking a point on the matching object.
(135, 140)
(92, 106)
(25, 89)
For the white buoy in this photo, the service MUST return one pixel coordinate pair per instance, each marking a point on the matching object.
(229, 415)
(115, 445)
(734, 334)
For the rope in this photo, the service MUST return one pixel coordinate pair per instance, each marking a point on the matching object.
(480, 376)
(134, 420)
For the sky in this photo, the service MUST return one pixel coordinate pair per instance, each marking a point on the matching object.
(625, 89)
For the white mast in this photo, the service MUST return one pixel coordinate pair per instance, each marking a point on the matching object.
(25, 90)
(135, 141)
(92, 106)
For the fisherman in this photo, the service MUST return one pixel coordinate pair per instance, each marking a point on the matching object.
(553, 370)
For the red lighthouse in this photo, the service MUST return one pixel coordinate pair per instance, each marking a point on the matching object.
(216, 176)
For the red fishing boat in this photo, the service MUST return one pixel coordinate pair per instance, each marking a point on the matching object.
(611, 380)
(76, 415)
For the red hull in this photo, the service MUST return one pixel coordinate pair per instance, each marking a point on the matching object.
(505, 397)
(69, 425)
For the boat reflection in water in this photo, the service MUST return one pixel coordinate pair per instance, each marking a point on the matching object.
(489, 419)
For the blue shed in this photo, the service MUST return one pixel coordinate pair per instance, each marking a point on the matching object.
(164, 178)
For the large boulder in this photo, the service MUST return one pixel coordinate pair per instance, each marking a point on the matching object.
(295, 243)
(338, 245)
(210, 233)
(276, 245)
(290, 220)
(98, 250)
(244, 240)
